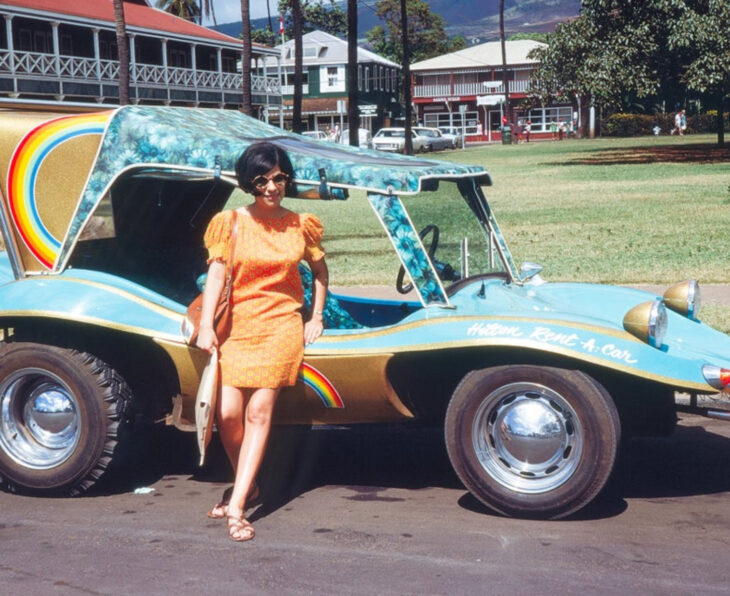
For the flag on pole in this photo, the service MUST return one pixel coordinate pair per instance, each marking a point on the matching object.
(281, 25)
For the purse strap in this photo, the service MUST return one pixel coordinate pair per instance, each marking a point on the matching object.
(231, 252)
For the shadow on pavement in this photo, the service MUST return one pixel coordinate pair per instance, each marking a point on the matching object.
(368, 459)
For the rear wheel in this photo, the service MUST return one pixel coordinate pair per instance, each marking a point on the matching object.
(532, 441)
(59, 414)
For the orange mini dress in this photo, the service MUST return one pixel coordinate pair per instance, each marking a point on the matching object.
(266, 345)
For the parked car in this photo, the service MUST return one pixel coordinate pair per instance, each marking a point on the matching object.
(319, 135)
(453, 133)
(435, 141)
(535, 383)
(365, 139)
(394, 140)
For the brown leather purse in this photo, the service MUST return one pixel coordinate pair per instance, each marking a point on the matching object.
(222, 317)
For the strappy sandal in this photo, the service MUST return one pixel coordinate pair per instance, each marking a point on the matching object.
(239, 528)
(220, 510)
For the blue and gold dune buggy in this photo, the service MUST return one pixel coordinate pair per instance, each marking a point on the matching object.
(103, 216)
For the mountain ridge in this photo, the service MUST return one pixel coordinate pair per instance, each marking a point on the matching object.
(477, 22)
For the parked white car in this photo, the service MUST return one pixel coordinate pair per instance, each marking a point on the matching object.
(435, 141)
(365, 139)
(320, 135)
(394, 139)
(453, 133)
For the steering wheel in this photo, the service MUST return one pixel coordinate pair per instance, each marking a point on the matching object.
(431, 250)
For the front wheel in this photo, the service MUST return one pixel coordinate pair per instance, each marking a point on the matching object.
(59, 413)
(532, 441)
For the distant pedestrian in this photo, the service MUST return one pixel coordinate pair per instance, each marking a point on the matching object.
(554, 130)
(683, 122)
(561, 130)
(528, 130)
(656, 130)
(677, 123)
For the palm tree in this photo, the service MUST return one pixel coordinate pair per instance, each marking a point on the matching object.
(122, 52)
(185, 9)
(206, 9)
(353, 117)
(408, 149)
(505, 81)
(298, 22)
(246, 106)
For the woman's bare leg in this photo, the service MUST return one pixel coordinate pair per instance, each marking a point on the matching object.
(229, 414)
(258, 413)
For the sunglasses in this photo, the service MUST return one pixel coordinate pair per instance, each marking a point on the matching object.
(261, 182)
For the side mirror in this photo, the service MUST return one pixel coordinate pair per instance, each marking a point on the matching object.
(530, 272)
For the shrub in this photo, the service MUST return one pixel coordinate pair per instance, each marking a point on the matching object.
(632, 125)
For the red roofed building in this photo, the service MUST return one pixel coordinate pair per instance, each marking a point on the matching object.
(65, 51)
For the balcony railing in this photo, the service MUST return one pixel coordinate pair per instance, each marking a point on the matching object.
(75, 69)
(446, 90)
(289, 89)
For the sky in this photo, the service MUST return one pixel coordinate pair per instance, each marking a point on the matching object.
(229, 11)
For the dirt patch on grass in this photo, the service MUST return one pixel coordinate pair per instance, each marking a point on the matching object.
(694, 153)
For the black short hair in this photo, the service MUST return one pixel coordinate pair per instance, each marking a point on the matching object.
(258, 159)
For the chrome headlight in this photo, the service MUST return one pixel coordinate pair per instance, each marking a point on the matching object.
(717, 377)
(684, 298)
(648, 322)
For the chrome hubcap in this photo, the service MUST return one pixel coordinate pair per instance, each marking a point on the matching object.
(40, 425)
(527, 437)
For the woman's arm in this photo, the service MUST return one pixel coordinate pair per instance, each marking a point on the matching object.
(320, 280)
(207, 339)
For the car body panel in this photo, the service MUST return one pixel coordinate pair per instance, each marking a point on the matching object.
(347, 373)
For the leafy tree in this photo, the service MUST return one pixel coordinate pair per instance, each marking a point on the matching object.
(264, 36)
(425, 30)
(321, 15)
(702, 30)
(122, 52)
(620, 52)
(541, 37)
(185, 9)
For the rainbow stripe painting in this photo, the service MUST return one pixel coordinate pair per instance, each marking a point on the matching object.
(321, 386)
(23, 173)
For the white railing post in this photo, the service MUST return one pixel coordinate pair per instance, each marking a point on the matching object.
(194, 64)
(97, 60)
(166, 71)
(11, 51)
(132, 67)
(219, 62)
(57, 59)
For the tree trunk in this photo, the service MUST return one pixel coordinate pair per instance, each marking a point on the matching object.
(721, 118)
(268, 11)
(297, 19)
(408, 148)
(353, 114)
(246, 106)
(122, 52)
(505, 80)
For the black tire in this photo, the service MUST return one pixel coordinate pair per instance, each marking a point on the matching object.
(60, 413)
(532, 441)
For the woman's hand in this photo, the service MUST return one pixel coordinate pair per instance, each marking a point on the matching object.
(313, 329)
(207, 339)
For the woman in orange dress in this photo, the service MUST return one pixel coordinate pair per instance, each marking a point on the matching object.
(265, 348)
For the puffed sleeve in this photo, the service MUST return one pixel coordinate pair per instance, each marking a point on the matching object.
(312, 229)
(217, 236)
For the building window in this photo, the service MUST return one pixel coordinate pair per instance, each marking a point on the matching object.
(437, 119)
(359, 77)
(332, 78)
(367, 78)
(310, 51)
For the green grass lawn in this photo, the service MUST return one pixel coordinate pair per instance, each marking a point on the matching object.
(622, 211)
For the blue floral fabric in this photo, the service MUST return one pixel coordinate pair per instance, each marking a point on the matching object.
(407, 244)
(333, 316)
(205, 140)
